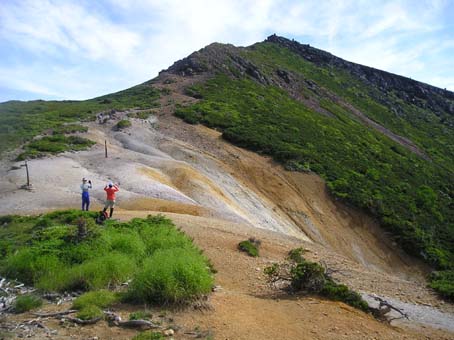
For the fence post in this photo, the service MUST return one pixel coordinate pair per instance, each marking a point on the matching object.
(28, 176)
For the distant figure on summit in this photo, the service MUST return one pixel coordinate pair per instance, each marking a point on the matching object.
(84, 187)
(110, 190)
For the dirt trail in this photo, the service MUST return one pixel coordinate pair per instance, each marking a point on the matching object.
(220, 195)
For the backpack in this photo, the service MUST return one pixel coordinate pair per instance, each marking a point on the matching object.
(102, 217)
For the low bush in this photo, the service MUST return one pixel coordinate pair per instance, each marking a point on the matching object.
(443, 283)
(340, 292)
(54, 145)
(24, 303)
(140, 114)
(90, 312)
(123, 124)
(69, 128)
(251, 247)
(300, 275)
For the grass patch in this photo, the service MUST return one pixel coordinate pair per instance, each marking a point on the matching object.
(123, 124)
(170, 276)
(301, 275)
(140, 315)
(100, 298)
(53, 145)
(24, 303)
(141, 114)
(250, 247)
(47, 252)
(90, 312)
(149, 335)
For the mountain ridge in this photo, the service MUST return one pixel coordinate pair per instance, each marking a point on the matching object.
(389, 152)
(257, 97)
(276, 149)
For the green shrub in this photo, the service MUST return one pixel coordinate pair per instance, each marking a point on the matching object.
(103, 272)
(140, 114)
(171, 276)
(47, 252)
(310, 277)
(24, 303)
(99, 298)
(339, 292)
(164, 236)
(69, 216)
(149, 335)
(123, 124)
(296, 255)
(125, 242)
(140, 315)
(443, 283)
(90, 312)
(249, 247)
(69, 128)
(54, 145)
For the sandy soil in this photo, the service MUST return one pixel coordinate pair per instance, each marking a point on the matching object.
(220, 195)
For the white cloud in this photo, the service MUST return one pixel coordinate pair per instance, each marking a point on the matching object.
(80, 49)
(45, 26)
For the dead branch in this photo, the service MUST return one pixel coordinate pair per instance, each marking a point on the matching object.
(385, 307)
(51, 296)
(141, 324)
(80, 321)
(45, 315)
(39, 324)
(329, 271)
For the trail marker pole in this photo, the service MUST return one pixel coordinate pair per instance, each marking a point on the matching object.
(28, 175)
(105, 146)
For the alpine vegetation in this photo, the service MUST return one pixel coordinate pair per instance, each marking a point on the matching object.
(162, 263)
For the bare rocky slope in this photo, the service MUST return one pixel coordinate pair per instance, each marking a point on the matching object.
(220, 195)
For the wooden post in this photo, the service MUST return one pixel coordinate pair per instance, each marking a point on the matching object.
(28, 176)
(27, 186)
(105, 146)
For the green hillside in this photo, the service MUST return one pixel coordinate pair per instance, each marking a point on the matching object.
(273, 100)
(21, 121)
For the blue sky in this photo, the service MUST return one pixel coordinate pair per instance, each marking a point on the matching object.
(83, 49)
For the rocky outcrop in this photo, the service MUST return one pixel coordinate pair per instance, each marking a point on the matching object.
(439, 101)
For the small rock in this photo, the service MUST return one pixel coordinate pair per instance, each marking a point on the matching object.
(169, 332)
(216, 288)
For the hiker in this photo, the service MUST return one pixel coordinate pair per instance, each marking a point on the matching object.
(110, 190)
(84, 187)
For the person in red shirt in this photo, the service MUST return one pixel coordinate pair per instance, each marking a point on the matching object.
(110, 190)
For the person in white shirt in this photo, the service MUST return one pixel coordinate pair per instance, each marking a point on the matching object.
(84, 187)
